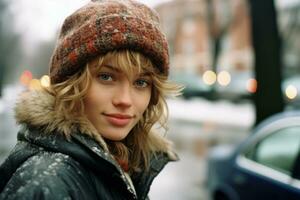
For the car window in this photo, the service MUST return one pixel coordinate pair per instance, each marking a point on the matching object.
(279, 150)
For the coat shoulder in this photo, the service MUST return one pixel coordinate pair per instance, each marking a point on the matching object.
(47, 175)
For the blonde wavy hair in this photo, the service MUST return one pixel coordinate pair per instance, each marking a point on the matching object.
(141, 143)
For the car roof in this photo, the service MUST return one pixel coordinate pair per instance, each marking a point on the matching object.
(276, 118)
(271, 124)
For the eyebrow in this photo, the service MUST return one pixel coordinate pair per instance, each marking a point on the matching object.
(145, 74)
(113, 68)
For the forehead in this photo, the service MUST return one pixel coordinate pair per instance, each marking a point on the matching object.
(130, 65)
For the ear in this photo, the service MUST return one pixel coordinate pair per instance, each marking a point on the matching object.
(154, 96)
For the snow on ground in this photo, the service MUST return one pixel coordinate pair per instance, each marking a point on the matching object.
(221, 112)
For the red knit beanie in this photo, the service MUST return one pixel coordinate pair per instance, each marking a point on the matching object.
(106, 25)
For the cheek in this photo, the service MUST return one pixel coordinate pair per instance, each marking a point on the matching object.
(96, 95)
(92, 100)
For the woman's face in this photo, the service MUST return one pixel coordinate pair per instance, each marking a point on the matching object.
(114, 102)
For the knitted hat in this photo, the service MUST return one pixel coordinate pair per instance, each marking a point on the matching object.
(105, 25)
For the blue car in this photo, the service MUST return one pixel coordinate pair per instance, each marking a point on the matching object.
(266, 166)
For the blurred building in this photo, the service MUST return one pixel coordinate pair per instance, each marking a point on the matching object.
(209, 35)
(289, 26)
(185, 24)
(237, 52)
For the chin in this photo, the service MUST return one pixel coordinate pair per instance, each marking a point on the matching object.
(115, 137)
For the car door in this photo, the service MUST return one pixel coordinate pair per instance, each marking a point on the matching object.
(266, 168)
(295, 180)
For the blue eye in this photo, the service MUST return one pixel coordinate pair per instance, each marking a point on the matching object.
(141, 83)
(105, 77)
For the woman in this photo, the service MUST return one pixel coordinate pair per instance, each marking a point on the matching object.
(89, 135)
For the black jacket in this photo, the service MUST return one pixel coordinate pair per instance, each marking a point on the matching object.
(46, 165)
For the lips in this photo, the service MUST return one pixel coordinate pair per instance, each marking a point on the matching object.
(119, 120)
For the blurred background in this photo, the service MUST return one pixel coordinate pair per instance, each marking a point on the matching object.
(238, 59)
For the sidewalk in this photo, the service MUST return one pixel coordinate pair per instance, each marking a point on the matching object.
(195, 126)
(181, 180)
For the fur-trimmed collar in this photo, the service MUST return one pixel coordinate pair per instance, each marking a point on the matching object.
(36, 108)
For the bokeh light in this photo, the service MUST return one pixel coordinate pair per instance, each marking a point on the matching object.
(251, 85)
(224, 78)
(26, 77)
(45, 81)
(291, 92)
(209, 77)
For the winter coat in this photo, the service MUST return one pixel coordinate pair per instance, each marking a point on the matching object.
(46, 165)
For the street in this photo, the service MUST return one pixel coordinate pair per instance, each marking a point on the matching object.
(195, 127)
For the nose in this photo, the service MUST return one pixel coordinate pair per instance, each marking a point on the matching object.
(123, 95)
